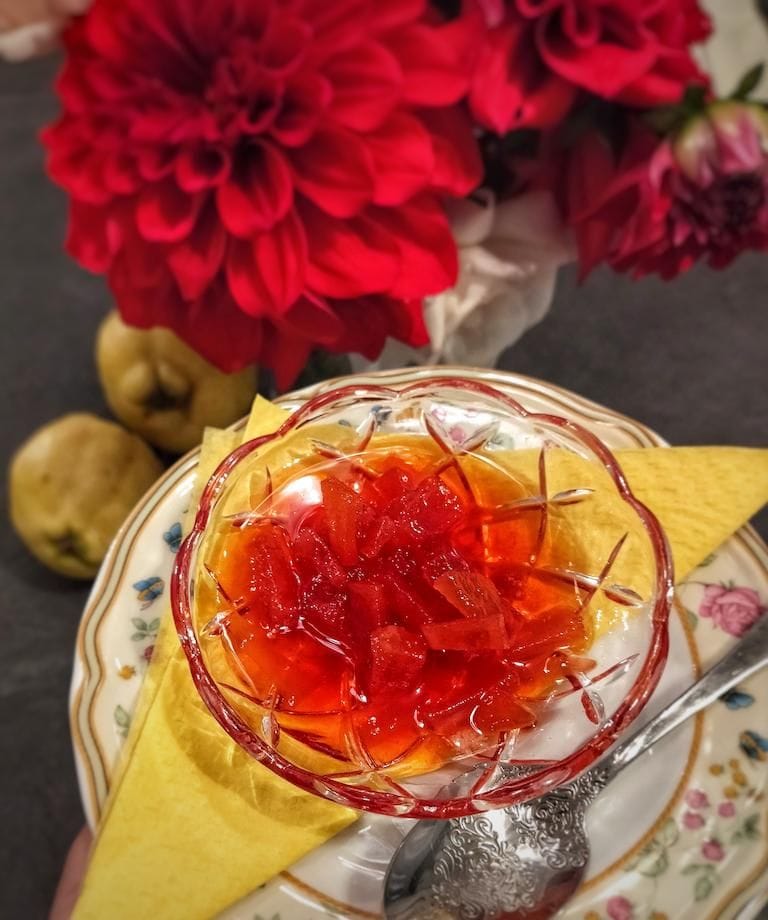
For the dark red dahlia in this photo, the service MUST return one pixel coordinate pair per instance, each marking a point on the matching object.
(536, 55)
(663, 205)
(265, 176)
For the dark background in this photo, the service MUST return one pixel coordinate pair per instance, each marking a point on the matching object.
(687, 358)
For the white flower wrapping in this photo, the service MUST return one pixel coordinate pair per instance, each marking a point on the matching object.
(509, 254)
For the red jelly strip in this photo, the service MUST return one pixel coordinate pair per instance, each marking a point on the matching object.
(559, 627)
(271, 585)
(367, 604)
(314, 558)
(397, 656)
(440, 556)
(430, 509)
(502, 710)
(479, 634)
(407, 604)
(342, 507)
(471, 593)
(377, 537)
(393, 483)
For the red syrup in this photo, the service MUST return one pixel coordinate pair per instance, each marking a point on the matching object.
(388, 616)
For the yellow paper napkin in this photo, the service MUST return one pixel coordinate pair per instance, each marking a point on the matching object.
(193, 824)
(701, 495)
(217, 839)
(217, 444)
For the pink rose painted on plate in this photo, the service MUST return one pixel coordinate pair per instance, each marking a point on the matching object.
(619, 908)
(692, 820)
(712, 850)
(733, 610)
(726, 809)
(695, 798)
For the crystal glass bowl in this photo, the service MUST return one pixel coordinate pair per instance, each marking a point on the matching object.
(550, 516)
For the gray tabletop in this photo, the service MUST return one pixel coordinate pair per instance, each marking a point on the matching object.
(687, 358)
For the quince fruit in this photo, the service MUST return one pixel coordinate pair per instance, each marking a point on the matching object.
(72, 484)
(160, 388)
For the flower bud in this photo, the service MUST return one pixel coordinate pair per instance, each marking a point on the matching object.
(728, 137)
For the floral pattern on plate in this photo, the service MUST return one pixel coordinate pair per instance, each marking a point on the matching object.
(692, 844)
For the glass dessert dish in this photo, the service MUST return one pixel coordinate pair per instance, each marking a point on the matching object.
(423, 602)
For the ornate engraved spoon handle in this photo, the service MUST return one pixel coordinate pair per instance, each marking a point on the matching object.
(747, 656)
(523, 860)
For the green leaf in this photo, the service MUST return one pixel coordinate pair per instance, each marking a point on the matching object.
(695, 99)
(649, 850)
(658, 867)
(694, 868)
(703, 888)
(154, 625)
(666, 119)
(748, 83)
(138, 637)
(670, 833)
(693, 619)
(708, 561)
(139, 623)
(122, 716)
(750, 829)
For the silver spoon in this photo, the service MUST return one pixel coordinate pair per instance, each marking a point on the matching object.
(527, 860)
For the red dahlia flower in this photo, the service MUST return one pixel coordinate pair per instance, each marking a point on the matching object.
(536, 55)
(664, 204)
(265, 176)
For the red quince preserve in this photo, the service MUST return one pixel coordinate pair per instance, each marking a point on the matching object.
(386, 609)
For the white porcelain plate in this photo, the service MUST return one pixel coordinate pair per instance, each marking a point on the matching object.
(680, 834)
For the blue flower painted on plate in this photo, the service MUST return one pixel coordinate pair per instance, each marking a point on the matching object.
(381, 413)
(754, 745)
(737, 699)
(149, 589)
(172, 537)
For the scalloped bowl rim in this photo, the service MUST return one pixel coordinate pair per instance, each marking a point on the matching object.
(392, 803)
